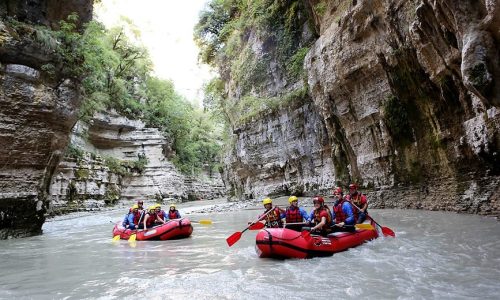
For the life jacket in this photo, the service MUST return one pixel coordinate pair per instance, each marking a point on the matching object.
(161, 214)
(340, 216)
(293, 215)
(317, 218)
(151, 219)
(173, 214)
(137, 216)
(358, 201)
(273, 219)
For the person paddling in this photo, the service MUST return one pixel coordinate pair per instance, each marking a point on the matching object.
(173, 213)
(358, 199)
(343, 215)
(273, 218)
(321, 216)
(150, 217)
(131, 219)
(161, 215)
(295, 214)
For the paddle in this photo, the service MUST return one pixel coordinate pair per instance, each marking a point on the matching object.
(257, 226)
(116, 237)
(385, 230)
(237, 235)
(306, 235)
(364, 226)
(206, 221)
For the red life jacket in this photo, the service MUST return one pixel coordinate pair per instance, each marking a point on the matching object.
(339, 213)
(137, 216)
(293, 215)
(317, 217)
(173, 214)
(151, 219)
(161, 214)
(273, 219)
(359, 200)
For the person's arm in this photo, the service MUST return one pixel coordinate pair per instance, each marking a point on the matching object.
(125, 220)
(347, 208)
(145, 219)
(160, 219)
(364, 203)
(178, 215)
(320, 225)
(311, 215)
(282, 212)
(304, 215)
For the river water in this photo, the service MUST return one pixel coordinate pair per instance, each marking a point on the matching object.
(436, 255)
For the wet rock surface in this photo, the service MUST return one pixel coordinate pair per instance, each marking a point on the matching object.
(36, 117)
(406, 99)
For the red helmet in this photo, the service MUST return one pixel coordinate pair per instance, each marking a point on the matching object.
(337, 190)
(353, 186)
(319, 199)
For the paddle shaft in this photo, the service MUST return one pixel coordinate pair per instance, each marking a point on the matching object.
(260, 219)
(359, 209)
(231, 240)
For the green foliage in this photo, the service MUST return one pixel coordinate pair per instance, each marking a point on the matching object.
(396, 118)
(320, 8)
(74, 152)
(116, 166)
(115, 74)
(126, 167)
(224, 24)
(249, 107)
(223, 33)
(295, 66)
(82, 174)
(112, 194)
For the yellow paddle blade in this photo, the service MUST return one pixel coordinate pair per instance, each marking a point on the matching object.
(364, 226)
(205, 221)
(132, 238)
(116, 238)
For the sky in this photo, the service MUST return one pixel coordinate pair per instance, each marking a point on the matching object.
(166, 28)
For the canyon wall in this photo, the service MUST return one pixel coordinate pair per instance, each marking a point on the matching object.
(115, 158)
(37, 113)
(405, 100)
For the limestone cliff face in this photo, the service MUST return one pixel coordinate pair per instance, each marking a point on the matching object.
(36, 117)
(281, 153)
(95, 178)
(406, 98)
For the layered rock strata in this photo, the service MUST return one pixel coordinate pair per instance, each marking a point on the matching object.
(407, 96)
(91, 180)
(282, 153)
(37, 113)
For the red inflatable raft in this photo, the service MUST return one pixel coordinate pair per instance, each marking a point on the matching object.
(287, 243)
(173, 229)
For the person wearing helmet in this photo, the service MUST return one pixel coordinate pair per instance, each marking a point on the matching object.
(343, 216)
(359, 200)
(131, 219)
(272, 218)
(161, 216)
(295, 214)
(140, 205)
(173, 213)
(321, 216)
(150, 217)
